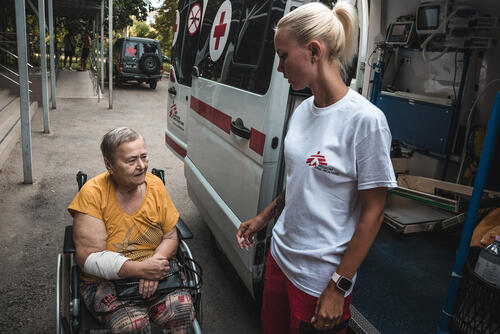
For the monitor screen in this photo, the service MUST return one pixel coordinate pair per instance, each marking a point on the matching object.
(398, 29)
(399, 33)
(428, 17)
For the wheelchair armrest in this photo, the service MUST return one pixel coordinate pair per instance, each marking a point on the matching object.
(184, 231)
(69, 246)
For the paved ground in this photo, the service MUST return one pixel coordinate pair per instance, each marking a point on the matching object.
(74, 84)
(32, 217)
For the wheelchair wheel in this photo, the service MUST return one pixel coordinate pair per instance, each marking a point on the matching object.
(194, 280)
(63, 294)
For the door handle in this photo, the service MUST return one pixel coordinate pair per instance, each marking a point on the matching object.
(239, 129)
(195, 71)
(172, 91)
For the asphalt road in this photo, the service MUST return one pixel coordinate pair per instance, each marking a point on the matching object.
(32, 217)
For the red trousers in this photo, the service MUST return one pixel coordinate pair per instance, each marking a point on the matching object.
(284, 306)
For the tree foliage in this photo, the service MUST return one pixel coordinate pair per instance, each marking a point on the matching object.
(123, 10)
(164, 23)
(141, 29)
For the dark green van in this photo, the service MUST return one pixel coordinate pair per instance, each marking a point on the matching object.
(137, 59)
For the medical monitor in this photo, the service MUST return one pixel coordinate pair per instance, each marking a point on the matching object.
(431, 17)
(399, 33)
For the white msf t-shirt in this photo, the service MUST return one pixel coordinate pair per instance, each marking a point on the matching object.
(331, 153)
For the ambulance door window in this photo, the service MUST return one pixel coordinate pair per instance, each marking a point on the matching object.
(177, 50)
(213, 69)
(249, 55)
(191, 34)
(254, 54)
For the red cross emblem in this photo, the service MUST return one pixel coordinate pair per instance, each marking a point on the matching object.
(220, 30)
(130, 50)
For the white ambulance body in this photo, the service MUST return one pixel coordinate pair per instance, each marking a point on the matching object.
(232, 166)
(228, 109)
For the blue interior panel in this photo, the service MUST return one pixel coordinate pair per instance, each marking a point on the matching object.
(425, 125)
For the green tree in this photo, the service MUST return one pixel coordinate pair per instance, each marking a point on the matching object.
(164, 23)
(124, 10)
(141, 29)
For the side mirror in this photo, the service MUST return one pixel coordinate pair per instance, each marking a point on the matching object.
(166, 59)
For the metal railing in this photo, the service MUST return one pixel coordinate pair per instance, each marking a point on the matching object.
(12, 71)
(8, 41)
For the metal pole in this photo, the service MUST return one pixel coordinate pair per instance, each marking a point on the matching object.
(471, 220)
(23, 89)
(52, 49)
(102, 45)
(43, 62)
(95, 52)
(110, 54)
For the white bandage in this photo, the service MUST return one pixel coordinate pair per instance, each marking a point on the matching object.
(105, 264)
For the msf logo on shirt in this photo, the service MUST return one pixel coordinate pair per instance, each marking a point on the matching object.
(318, 161)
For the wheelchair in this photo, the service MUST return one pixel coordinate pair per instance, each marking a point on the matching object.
(72, 316)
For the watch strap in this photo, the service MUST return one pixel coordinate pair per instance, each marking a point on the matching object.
(335, 277)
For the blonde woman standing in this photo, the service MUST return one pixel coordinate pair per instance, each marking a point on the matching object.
(337, 154)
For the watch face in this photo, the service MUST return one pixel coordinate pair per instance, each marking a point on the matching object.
(344, 283)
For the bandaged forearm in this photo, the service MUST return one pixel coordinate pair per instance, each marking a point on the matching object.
(105, 264)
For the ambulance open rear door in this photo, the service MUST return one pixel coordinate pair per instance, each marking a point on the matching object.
(235, 120)
(186, 31)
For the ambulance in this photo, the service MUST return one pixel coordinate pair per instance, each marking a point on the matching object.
(422, 62)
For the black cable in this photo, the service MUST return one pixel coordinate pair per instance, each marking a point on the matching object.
(370, 56)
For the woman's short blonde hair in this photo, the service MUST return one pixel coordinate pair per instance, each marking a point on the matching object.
(338, 28)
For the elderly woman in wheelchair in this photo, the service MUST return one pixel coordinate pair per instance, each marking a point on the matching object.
(124, 228)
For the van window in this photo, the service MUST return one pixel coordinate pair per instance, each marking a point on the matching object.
(130, 49)
(150, 48)
(249, 50)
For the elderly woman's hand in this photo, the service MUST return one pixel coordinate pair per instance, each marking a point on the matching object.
(147, 288)
(154, 268)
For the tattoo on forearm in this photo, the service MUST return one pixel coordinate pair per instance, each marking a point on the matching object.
(279, 204)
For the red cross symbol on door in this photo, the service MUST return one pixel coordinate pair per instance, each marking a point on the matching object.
(175, 30)
(219, 30)
(130, 50)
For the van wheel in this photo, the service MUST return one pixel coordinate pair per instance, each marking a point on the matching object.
(152, 84)
(149, 63)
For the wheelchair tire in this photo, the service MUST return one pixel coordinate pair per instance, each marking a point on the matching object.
(195, 295)
(65, 327)
(63, 294)
(199, 312)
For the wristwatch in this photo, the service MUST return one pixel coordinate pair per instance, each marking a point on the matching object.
(343, 283)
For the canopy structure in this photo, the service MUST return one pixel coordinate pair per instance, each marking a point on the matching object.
(90, 9)
(77, 8)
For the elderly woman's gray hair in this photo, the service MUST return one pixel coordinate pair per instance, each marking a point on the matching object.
(115, 137)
